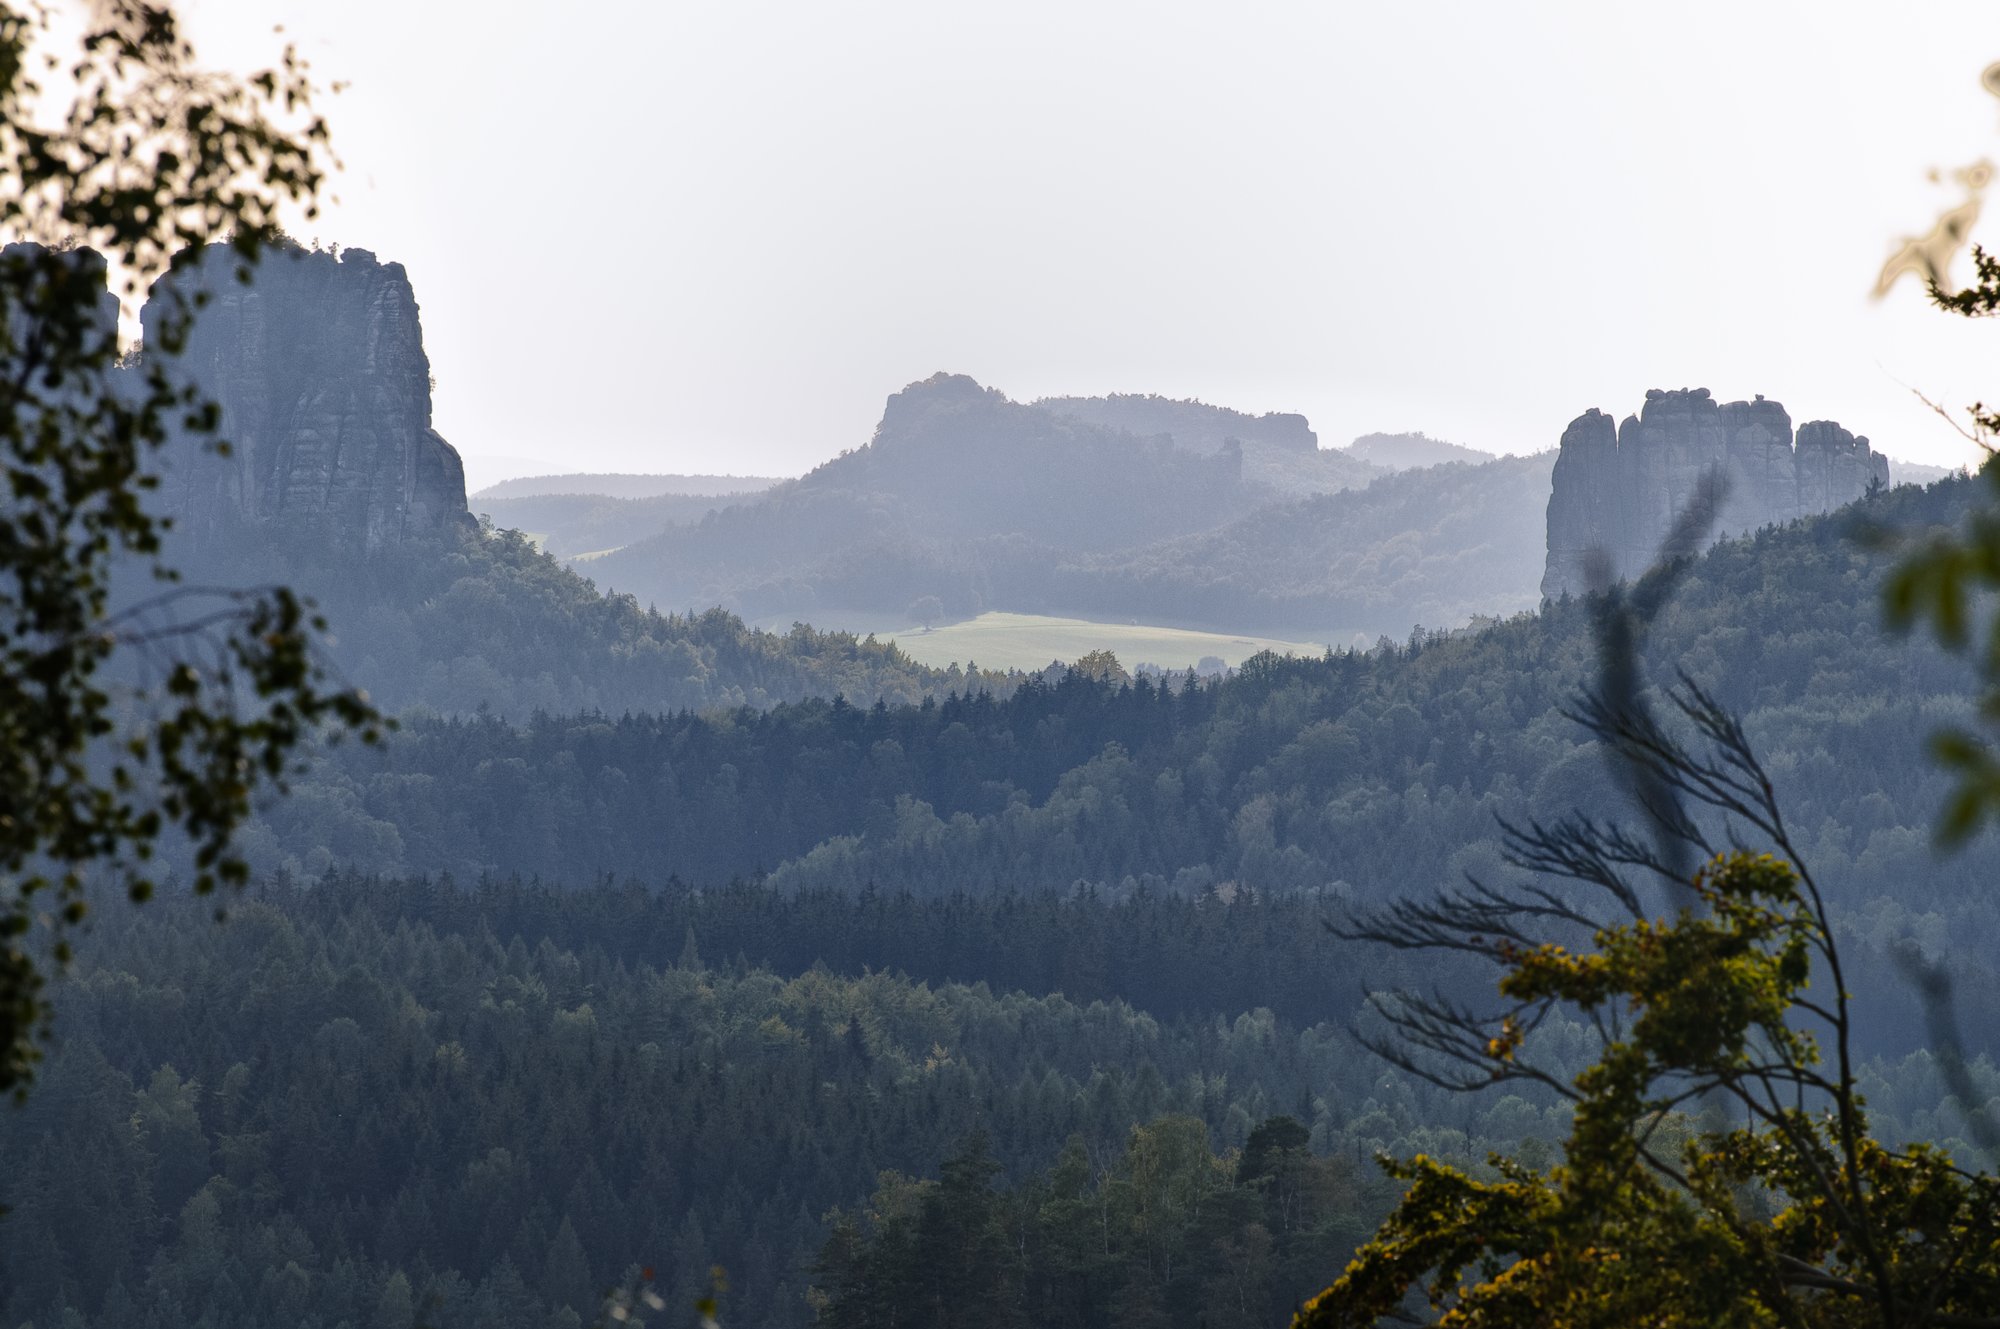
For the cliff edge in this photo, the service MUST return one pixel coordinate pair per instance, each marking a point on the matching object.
(1619, 488)
(318, 365)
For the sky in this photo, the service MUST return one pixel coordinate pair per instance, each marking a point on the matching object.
(672, 237)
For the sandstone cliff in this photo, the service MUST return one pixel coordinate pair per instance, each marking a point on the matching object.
(1619, 488)
(318, 364)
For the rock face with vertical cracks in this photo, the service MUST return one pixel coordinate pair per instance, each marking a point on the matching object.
(1618, 489)
(318, 365)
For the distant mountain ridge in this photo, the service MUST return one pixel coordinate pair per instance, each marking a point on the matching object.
(1401, 452)
(584, 526)
(1116, 508)
(1435, 547)
(1194, 425)
(627, 485)
(1093, 507)
(951, 464)
(337, 486)
(1917, 473)
(1280, 449)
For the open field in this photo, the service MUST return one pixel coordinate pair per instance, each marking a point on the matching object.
(1030, 641)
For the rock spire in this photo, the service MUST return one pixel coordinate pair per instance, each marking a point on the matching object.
(1619, 488)
(318, 365)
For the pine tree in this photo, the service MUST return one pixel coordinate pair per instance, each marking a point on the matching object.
(566, 1279)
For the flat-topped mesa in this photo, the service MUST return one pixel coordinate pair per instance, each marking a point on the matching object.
(1193, 425)
(318, 365)
(1619, 490)
(913, 412)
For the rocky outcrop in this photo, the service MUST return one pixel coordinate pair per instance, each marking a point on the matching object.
(1618, 489)
(318, 365)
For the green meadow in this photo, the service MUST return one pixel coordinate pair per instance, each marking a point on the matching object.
(1031, 641)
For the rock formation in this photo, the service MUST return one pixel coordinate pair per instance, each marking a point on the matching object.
(318, 365)
(1619, 489)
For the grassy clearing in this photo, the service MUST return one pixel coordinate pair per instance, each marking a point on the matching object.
(1030, 641)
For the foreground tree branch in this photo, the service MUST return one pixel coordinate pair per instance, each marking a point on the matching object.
(1701, 999)
(146, 157)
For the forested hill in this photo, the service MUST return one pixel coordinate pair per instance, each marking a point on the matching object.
(468, 621)
(1438, 546)
(1364, 773)
(1280, 450)
(1119, 508)
(1402, 452)
(951, 461)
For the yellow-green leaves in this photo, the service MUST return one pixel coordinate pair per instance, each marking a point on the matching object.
(1625, 1232)
(1948, 582)
(146, 157)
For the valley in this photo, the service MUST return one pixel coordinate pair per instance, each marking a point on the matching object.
(1315, 775)
(1030, 642)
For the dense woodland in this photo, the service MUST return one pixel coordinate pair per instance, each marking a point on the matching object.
(391, 1103)
(482, 622)
(650, 942)
(366, 1105)
(646, 946)
(1362, 773)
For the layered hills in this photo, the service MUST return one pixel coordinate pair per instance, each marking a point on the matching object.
(585, 525)
(650, 943)
(625, 485)
(1280, 450)
(336, 484)
(1123, 508)
(957, 480)
(1126, 508)
(1438, 547)
(1365, 772)
(581, 515)
(1402, 452)
(950, 462)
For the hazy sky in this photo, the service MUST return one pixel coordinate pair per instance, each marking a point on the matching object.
(679, 237)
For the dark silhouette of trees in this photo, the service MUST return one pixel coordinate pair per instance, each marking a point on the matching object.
(125, 723)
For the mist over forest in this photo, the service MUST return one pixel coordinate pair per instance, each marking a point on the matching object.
(1079, 857)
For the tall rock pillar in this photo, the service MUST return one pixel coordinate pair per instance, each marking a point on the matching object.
(318, 365)
(1621, 493)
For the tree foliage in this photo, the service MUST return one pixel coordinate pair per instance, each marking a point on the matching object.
(1382, 769)
(1718, 999)
(1948, 583)
(123, 721)
(271, 1121)
(1800, 1217)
